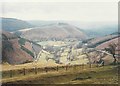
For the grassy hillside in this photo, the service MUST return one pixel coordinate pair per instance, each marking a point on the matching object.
(107, 43)
(12, 24)
(11, 49)
(93, 42)
(54, 31)
(78, 75)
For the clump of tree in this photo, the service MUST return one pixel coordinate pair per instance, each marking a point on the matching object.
(96, 58)
(22, 41)
(28, 51)
(111, 49)
(55, 52)
(7, 46)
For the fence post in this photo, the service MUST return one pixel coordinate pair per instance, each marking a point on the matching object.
(97, 64)
(24, 72)
(10, 73)
(46, 69)
(74, 67)
(57, 68)
(66, 67)
(82, 66)
(103, 63)
(35, 70)
(90, 65)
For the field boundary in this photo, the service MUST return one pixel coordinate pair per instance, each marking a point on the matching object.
(36, 70)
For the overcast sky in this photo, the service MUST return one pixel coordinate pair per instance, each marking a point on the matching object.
(77, 11)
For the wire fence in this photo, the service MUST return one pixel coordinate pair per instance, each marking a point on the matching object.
(36, 70)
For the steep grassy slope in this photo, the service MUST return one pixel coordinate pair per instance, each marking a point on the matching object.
(12, 51)
(107, 43)
(94, 42)
(112, 41)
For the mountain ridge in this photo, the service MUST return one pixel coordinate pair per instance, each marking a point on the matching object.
(55, 31)
(12, 24)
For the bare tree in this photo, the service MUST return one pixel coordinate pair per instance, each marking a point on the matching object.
(111, 49)
(69, 54)
(86, 52)
(88, 57)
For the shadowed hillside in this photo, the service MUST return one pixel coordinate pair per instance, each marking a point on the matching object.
(16, 50)
(11, 24)
(94, 42)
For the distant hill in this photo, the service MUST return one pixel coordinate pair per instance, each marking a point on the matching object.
(100, 31)
(54, 31)
(12, 24)
(16, 50)
(91, 29)
(107, 43)
(96, 28)
(40, 23)
(94, 42)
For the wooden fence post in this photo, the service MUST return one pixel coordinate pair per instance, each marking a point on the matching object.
(35, 70)
(46, 69)
(24, 72)
(82, 66)
(74, 67)
(66, 67)
(97, 64)
(10, 73)
(57, 68)
(103, 63)
(90, 65)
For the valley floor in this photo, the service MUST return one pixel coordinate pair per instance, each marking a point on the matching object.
(42, 63)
